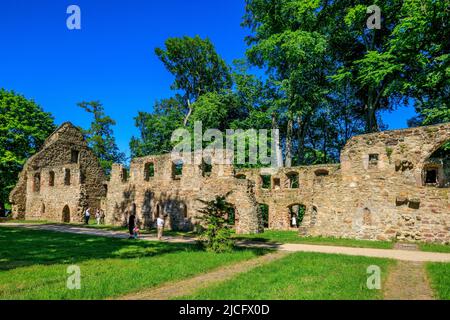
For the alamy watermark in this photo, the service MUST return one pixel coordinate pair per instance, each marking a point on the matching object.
(374, 278)
(73, 22)
(374, 20)
(232, 147)
(74, 278)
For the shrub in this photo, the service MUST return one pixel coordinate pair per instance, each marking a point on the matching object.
(216, 234)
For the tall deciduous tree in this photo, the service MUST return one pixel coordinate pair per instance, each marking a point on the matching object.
(329, 44)
(286, 40)
(156, 128)
(24, 126)
(100, 136)
(421, 45)
(197, 68)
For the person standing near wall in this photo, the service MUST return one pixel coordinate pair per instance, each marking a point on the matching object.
(131, 225)
(87, 215)
(102, 217)
(97, 216)
(160, 226)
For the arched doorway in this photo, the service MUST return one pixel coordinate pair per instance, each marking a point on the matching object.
(296, 214)
(264, 210)
(66, 214)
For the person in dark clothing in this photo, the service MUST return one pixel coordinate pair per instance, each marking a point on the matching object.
(131, 225)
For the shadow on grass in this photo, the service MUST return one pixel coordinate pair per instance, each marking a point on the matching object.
(257, 239)
(24, 247)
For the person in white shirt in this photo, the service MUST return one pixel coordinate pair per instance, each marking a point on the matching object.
(294, 221)
(87, 215)
(160, 225)
(98, 216)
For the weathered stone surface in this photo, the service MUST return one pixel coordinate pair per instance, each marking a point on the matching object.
(59, 182)
(376, 192)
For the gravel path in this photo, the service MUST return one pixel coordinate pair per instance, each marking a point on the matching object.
(408, 281)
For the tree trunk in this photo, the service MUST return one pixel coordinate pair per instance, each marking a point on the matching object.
(186, 119)
(278, 153)
(301, 139)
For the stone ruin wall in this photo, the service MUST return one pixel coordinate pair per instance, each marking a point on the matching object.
(48, 202)
(383, 199)
(177, 196)
(362, 197)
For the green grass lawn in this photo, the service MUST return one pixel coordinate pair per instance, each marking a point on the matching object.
(431, 247)
(439, 274)
(4, 220)
(301, 276)
(293, 237)
(33, 264)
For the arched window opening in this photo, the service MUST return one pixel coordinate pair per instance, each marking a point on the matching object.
(149, 170)
(67, 177)
(206, 167)
(436, 171)
(74, 156)
(177, 169)
(124, 175)
(321, 173)
(373, 160)
(276, 183)
(293, 180)
(51, 178)
(82, 177)
(241, 176)
(37, 182)
(266, 182)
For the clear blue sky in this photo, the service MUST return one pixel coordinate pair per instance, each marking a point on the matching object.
(111, 58)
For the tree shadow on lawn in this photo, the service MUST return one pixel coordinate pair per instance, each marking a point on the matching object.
(25, 247)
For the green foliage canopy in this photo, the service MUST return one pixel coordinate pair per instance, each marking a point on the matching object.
(24, 126)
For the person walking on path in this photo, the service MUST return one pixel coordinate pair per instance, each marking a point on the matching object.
(160, 226)
(131, 225)
(87, 215)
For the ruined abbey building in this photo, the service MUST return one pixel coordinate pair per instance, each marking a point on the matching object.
(388, 186)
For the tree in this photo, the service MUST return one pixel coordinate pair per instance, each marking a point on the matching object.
(216, 235)
(319, 54)
(285, 42)
(197, 68)
(421, 45)
(156, 128)
(100, 136)
(24, 126)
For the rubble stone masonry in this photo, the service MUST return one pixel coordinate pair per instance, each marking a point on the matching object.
(381, 189)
